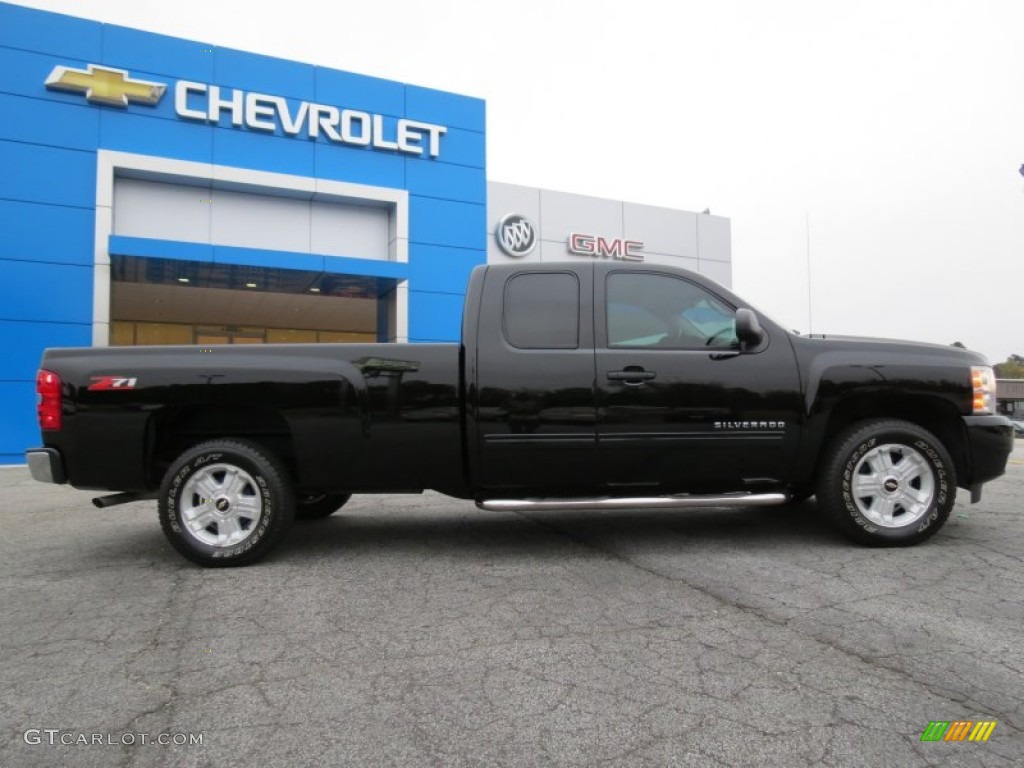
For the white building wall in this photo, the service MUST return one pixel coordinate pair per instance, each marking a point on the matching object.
(697, 241)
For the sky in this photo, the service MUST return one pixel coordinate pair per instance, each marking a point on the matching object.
(867, 153)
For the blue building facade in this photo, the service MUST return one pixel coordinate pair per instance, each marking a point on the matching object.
(137, 168)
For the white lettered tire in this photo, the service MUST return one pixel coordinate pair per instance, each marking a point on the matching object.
(226, 503)
(887, 483)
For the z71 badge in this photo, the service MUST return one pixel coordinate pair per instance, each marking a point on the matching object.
(112, 382)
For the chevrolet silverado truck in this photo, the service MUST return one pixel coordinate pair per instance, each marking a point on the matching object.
(594, 384)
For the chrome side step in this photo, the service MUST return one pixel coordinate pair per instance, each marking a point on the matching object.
(678, 501)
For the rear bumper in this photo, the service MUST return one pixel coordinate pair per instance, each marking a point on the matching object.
(46, 465)
(989, 444)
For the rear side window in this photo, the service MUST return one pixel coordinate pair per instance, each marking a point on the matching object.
(542, 311)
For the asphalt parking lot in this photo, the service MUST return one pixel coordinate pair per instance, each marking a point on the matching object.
(418, 630)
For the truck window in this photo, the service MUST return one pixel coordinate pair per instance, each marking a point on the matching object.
(652, 310)
(542, 311)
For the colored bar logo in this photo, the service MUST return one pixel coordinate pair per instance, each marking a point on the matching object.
(958, 730)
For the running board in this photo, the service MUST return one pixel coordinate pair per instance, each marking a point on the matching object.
(680, 501)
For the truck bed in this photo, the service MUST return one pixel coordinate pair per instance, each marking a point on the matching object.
(352, 417)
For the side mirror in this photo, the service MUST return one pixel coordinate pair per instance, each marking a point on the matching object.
(748, 329)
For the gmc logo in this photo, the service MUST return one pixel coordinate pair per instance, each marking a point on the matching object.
(602, 248)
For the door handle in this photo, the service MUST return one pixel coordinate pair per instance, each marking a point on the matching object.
(632, 376)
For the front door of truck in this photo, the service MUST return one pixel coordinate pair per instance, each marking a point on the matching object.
(680, 407)
(533, 402)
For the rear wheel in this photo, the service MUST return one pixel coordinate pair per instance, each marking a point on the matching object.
(887, 483)
(320, 505)
(225, 503)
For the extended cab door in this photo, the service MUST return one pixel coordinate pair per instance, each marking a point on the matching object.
(680, 407)
(532, 398)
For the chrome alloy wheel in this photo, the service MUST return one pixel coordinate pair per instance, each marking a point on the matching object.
(221, 505)
(893, 485)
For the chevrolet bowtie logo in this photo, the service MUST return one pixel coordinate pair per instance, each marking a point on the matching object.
(105, 85)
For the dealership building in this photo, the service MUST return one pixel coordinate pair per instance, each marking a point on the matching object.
(156, 190)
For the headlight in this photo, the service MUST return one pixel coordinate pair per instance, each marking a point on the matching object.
(983, 382)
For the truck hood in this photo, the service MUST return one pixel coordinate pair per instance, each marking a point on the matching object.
(823, 342)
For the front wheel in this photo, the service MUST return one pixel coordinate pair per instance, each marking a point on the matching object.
(887, 483)
(225, 503)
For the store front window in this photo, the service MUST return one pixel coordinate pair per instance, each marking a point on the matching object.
(155, 302)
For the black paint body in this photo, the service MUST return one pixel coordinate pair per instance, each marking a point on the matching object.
(487, 419)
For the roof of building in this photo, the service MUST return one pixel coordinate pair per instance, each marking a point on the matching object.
(1010, 389)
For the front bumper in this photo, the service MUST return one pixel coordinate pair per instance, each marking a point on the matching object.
(989, 444)
(46, 465)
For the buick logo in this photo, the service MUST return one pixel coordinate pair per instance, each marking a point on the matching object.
(516, 235)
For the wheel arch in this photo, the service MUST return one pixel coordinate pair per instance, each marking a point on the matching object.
(934, 414)
(176, 430)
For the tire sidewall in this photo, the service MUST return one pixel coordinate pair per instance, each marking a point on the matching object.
(273, 493)
(863, 441)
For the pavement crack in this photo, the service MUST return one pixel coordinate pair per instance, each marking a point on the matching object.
(153, 645)
(875, 661)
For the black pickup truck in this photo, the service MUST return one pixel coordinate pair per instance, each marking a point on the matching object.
(576, 385)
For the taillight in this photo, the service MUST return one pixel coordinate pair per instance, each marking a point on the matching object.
(49, 409)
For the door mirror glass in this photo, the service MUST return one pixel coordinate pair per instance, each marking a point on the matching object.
(748, 329)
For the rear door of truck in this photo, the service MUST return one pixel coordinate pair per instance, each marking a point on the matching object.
(531, 368)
